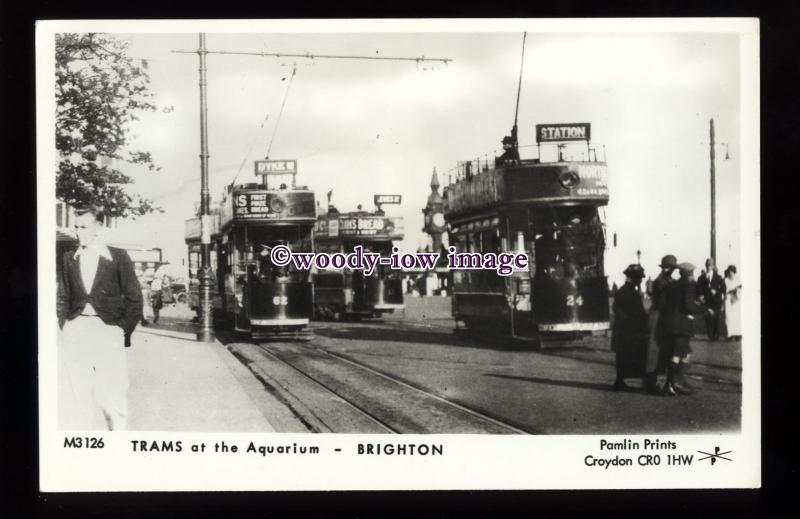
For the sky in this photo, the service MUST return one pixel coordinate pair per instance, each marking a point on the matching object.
(361, 127)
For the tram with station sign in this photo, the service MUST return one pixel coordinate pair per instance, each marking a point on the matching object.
(253, 295)
(548, 206)
(346, 293)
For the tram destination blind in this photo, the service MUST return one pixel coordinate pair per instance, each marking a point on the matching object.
(563, 132)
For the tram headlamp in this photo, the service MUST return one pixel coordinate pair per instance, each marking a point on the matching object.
(277, 205)
(523, 286)
(569, 179)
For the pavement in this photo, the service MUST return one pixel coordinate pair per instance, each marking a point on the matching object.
(179, 384)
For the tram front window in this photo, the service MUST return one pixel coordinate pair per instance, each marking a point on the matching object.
(569, 242)
(264, 239)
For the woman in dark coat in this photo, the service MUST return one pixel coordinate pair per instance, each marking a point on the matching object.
(629, 335)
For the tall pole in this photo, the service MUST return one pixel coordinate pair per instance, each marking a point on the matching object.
(713, 195)
(519, 90)
(206, 333)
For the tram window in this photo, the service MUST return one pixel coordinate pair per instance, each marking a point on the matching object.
(263, 239)
(473, 242)
(490, 241)
(569, 241)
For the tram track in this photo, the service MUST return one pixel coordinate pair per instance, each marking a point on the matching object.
(473, 412)
(377, 421)
(334, 393)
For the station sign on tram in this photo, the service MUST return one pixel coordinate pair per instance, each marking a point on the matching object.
(563, 132)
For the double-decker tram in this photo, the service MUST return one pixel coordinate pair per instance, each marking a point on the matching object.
(254, 295)
(548, 207)
(347, 293)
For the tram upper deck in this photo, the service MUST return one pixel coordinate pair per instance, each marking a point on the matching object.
(564, 178)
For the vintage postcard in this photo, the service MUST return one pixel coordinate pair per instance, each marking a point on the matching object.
(398, 254)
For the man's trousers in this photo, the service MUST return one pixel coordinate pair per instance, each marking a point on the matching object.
(92, 376)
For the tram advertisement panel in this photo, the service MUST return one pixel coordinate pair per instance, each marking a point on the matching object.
(372, 226)
(570, 181)
(255, 205)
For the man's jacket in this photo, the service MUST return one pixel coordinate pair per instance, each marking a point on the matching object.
(679, 305)
(711, 286)
(115, 294)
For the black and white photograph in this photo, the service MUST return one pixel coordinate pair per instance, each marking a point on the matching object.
(268, 247)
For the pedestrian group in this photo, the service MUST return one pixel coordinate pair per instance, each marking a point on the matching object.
(658, 342)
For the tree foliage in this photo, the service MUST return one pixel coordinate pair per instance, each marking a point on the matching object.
(99, 92)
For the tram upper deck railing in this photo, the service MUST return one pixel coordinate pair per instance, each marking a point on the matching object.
(543, 153)
(544, 179)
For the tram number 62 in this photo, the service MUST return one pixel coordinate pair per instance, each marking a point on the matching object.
(574, 301)
(280, 301)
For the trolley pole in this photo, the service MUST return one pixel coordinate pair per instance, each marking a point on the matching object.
(206, 333)
(713, 195)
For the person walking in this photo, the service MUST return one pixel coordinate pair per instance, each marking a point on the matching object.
(659, 349)
(156, 297)
(680, 306)
(711, 291)
(629, 333)
(99, 302)
(733, 305)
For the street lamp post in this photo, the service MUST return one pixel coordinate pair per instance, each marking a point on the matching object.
(206, 333)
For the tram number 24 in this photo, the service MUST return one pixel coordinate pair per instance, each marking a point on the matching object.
(280, 301)
(574, 301)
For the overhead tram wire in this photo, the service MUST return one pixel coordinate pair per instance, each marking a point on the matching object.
(247, 156)
(274, 131)
(280, 113)
(308, 55)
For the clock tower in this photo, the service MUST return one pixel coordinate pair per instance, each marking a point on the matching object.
(434, 214)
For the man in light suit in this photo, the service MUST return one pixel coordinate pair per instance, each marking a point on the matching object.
(99, 302)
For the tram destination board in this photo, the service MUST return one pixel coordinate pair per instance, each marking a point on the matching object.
(256, 205)
(276, 167)
(388, 199)
(563, 132)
